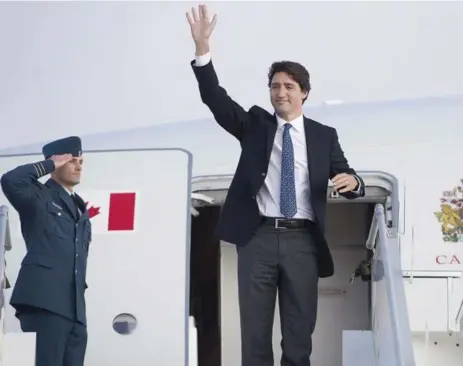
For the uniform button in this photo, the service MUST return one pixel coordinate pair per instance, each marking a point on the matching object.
(76, 271)
(263, 174)
(254, 197)
(59, 213)
(77, 255)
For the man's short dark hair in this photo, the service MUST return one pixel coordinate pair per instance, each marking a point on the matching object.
(294, 69)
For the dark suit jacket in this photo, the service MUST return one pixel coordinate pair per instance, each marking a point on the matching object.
(255, 130)
(52, 274)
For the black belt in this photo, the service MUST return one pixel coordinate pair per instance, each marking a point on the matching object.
(287, 223)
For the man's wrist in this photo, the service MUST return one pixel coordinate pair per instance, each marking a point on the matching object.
(202, 48)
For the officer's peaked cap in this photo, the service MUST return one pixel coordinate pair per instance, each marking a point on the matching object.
(68, 145)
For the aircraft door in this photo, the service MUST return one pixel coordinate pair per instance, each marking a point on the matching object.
(138, 261)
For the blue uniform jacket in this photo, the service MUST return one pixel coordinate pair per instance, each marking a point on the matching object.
(53, 272)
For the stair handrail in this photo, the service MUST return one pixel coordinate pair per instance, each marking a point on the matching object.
(5, 245)
(459, 315)
(402, 336)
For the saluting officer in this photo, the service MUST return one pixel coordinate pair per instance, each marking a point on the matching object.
(49, 292)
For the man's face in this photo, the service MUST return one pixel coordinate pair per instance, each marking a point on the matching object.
(285, 94)
(69, 173)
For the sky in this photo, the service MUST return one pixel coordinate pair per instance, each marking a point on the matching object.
(88, 67)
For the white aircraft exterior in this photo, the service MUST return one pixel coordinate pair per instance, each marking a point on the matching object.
(411, 222)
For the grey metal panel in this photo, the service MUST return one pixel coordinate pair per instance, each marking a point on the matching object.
(172, 191)
(355, 343)
(372, 195)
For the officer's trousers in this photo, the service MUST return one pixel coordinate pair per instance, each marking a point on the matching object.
(60, 341)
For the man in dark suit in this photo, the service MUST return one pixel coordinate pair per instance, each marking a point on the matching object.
(49, 292)
(275, 208)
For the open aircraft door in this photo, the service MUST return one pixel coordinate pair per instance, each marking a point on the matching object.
(138, 264)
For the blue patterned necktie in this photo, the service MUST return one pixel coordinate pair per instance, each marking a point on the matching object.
(288, 206)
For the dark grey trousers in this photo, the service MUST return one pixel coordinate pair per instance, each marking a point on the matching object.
(59, 341)
(283, 260)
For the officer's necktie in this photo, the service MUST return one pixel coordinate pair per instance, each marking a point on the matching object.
(288, 206)
(74, 199)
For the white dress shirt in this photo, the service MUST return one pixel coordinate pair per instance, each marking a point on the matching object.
(268, 198)
(72, 194)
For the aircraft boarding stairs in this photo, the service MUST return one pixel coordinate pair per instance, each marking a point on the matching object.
(388, 344)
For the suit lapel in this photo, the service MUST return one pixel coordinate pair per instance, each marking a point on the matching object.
(64, 196)
(311, 143)
(67, 199)
(271, 131)
(82, 208)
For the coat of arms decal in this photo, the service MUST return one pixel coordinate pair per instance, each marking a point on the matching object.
(450, 215)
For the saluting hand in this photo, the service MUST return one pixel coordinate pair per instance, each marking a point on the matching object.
(344, 183)
(201, 27)
(60, 160)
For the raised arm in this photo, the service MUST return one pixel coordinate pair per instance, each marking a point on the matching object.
(21, 186)
(228, 114)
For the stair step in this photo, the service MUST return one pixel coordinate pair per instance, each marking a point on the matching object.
(18, 349)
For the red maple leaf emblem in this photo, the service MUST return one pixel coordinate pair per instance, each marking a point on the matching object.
(92, 211)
